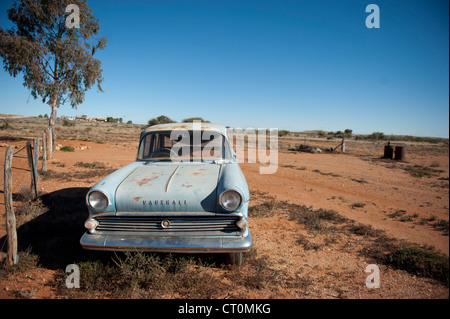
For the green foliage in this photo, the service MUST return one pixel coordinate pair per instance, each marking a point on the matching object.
(68, 123)
(283, 133)
(57, 62)
(162, 119)
(348, 133)
(4, 126)
(67, 149)
(377, 136)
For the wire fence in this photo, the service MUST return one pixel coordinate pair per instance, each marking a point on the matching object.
(19, 186)
(21, 176)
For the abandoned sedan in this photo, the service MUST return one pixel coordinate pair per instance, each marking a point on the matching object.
(184, 193)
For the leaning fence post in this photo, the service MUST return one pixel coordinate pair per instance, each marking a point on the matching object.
(44, 153)
(10, 217)
(36, 159)
(33, 174)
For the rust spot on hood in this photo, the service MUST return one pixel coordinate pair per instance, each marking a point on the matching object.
(146, 180)
(197, 174)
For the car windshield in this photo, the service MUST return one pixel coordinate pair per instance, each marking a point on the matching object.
(185, 146)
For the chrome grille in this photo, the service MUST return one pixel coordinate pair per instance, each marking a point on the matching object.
(178, 225)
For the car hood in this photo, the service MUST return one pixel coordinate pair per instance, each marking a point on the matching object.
(188, 187)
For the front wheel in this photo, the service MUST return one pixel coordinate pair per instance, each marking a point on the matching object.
(236, 259)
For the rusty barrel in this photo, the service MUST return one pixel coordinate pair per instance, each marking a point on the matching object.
(388, 151)
(400, 153)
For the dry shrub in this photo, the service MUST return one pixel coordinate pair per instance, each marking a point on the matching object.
(306, 244)
(365, 230)
(26, 261)
(316, 221)
(145, 275)
(255, 273)
(265, 209)
(29, 210)
(68, 176)
(93, 165)
(421, 262)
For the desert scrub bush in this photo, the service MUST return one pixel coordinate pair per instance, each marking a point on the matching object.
(365, 230)
(256, 273)
(68, 123)
(265, 209)
(86, 174)
(29, 210)
(4, 126)
(421, 262)
(315, 221)
(26, 261)
(67, 149)
(145, 275)
(422, 171)
(306, 244)
(326, 174)
(398, 213)
(260, 194)
(377, 136)
(442, 225)
(282, 133)
(93, 165)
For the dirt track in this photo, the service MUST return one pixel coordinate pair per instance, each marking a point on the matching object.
(364, 189)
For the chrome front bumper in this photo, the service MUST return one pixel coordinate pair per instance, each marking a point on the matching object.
(206, 244)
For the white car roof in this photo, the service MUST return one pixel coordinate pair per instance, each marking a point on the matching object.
(188, 126)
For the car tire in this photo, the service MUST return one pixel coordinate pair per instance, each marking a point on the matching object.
(236, 259)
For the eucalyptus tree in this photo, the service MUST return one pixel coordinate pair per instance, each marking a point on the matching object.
(52, 44)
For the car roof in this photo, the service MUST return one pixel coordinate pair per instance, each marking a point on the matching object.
(188, 126)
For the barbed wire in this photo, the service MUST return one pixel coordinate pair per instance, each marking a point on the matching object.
(21, 176)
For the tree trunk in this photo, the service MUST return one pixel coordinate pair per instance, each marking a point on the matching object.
(52, 122)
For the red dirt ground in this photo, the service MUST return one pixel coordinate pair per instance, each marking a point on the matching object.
(302, 178)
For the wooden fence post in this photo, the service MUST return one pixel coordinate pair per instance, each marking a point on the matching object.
(36, 159)
(48, 134)
(11, 231)
(53, 134)
(33, 174)
(44, 152)
(343, 145)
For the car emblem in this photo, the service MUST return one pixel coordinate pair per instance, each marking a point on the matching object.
(165, 223)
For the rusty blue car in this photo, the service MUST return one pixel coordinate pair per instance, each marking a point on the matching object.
(184, 193)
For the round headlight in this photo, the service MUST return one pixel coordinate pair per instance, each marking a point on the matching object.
(97, 200)
(230, 200)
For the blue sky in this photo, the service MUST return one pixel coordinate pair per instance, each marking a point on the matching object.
(295, 65)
